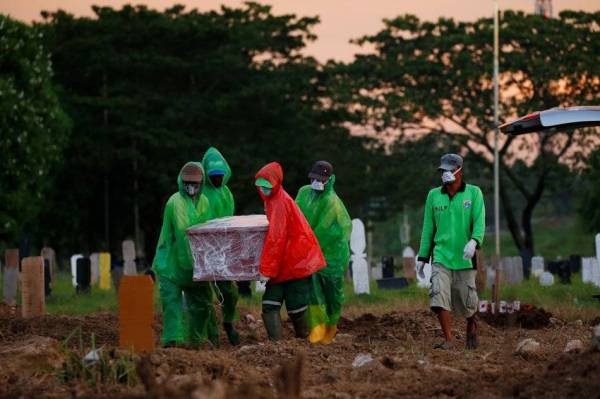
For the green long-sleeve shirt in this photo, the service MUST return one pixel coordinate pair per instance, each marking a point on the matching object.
(448, 224)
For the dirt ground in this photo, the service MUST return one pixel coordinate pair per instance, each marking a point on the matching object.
(400, 344)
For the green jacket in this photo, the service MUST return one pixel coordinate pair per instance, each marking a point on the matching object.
(173, 258)
(329, 219)
(448, 224)
(220, 198)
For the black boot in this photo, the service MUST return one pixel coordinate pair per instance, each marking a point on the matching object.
(232, 334)
(272, 322)
(300, 322)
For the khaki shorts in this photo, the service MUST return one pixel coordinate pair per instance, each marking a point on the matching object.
(453, 290)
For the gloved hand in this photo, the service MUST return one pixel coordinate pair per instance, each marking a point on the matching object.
(421, 269)
(469, 251)
(263, 279)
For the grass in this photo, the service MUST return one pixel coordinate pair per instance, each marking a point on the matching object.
(568, 302)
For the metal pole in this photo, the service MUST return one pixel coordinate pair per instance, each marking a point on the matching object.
(496, 157)
(496, 288)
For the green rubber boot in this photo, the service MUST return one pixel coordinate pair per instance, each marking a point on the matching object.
(300, 322)
(272, 322)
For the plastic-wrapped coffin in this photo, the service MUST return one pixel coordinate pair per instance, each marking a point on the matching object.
(228, 248)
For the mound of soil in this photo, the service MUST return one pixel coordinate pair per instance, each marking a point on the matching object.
(399, 343)
(529, 317)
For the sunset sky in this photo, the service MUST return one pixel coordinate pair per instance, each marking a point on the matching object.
(341, 20)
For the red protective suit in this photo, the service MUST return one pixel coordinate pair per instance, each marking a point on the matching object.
(291, 250)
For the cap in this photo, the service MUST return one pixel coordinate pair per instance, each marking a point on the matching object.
(191, 173)
(262, 182)
(321, 170)
(450, 162)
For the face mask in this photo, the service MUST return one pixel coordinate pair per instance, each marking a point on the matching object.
(448, 177)
(317, 185)
(216, 180)
(191, 189)
(266, 191)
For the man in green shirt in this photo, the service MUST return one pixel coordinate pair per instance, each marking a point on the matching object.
(453, 227)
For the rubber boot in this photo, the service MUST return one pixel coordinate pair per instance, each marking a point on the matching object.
(300, 322)
(232, 334)
(272, 322)
(317, 334)
(329, 334)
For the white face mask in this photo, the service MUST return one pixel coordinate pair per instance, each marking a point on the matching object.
(448, 177)
(191, 189)
(317, 185)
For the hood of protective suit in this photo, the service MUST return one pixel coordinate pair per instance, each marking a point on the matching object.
(273, 172)
(214, 160)
(290, 250)
(220, 198)
(180, 179)
(329, 219)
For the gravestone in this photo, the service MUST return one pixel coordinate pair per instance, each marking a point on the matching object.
(129, 268)
(408, 252)
(586, 270)
(377, 271)
(387, 264)
(598, 248)
(50, 255)
(408, 266)
(11, 276)
(95, 267)
(33, 299)
(104, 264)
(136, 314)
(575, 263)
(562, 268)
(47, 278)
(74, 268)
(546, 279)
(84, 275)
(360, 268)
(590, 271)
(512, 269)
(537, 266)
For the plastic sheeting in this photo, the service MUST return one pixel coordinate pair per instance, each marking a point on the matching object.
(228, 248)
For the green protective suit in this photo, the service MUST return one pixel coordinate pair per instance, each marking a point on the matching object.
(222, 205)
(173, 264)
(331, 223)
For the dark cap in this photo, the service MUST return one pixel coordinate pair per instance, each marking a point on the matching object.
(321, 171)
(450, 162)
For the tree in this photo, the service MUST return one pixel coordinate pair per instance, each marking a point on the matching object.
(33, 126)
(589, 195)
(436, 78)
(150, 90)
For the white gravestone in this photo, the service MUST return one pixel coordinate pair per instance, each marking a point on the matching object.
(597, 280)
(408, 253)
(95, 268)
(590, 272)
(546, 279)
(360, 267)
(537, 266)
(74, 268)
(129, 258)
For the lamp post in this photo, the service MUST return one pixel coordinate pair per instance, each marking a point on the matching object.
(496, 155)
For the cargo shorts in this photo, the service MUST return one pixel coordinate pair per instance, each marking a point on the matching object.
(453, 290)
